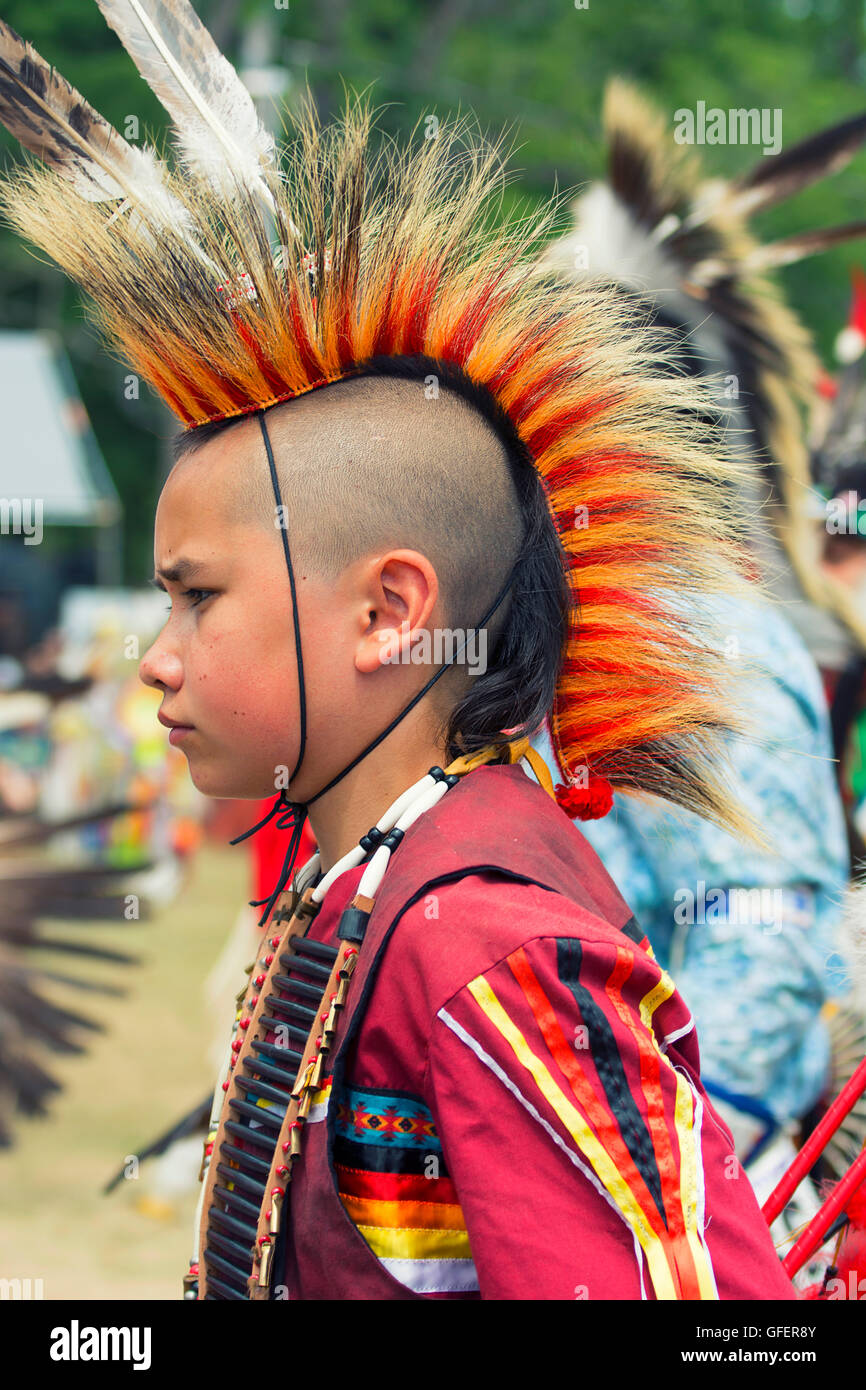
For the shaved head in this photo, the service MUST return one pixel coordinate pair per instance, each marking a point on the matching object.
(376, 462)
(408, 504)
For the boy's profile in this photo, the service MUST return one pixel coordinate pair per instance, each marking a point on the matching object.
(457, 1070)
(510, 1032)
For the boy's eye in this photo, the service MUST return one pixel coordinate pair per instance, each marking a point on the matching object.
(195, 596)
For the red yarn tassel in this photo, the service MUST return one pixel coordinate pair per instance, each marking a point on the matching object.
(586, 803)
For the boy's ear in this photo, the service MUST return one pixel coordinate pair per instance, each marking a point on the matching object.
(400, 593)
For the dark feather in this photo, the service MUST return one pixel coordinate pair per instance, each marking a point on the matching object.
(789, 249)
(31, 890)
(83, 983)
(197, 1119)
(29, 830)
(82, 909)
(80, 948)
(52, 120)
(33, 1087)
(781, 175)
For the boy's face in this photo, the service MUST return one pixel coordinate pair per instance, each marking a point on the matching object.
(225, 659)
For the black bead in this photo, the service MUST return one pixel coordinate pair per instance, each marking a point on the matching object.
(372, 839)
(353, 924)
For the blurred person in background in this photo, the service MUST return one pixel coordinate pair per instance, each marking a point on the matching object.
(751, 935)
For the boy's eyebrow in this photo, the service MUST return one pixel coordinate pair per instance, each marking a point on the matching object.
(181, 572)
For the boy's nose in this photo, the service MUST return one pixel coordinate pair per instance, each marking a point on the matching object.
(160, 668)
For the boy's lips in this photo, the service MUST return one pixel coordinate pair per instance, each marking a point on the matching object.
(177, 731)
(172, 723)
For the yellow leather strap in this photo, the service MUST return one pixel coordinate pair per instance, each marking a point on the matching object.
(520, 748)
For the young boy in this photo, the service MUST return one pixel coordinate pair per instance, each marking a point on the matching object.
(457, 1070)
(511, 1104)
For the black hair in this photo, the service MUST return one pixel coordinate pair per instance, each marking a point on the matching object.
(516, 691)
(186, 441)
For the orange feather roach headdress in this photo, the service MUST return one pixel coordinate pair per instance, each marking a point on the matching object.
(237, 278)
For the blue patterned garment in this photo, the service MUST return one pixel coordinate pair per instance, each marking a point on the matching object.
(755, 968)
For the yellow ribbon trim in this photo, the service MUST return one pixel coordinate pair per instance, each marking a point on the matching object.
(683, 1124)
(580, 1131)
(651, 1001)
(416, 1244)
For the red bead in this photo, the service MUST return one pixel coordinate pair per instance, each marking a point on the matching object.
(244, 1023)
(282, 1170)
(237, 1045)
(275, 941)
(278, 1192)
(324, 1017)
(286, 1147)
(233, 1059)
(260, 980)
(225, 1085)
(318, 1042)
(208, 1148)
(269, 960)
(264, 1240)
(351, 951)
(254, 1001)
(268, 1214)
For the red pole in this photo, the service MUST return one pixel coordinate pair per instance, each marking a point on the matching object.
(823, 1132)
(825, 1216)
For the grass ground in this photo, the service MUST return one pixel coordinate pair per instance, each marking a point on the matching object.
(146, 1070)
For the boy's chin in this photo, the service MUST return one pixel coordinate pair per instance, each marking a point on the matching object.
(226, 784)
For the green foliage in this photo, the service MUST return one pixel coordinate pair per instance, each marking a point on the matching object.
(538, 67)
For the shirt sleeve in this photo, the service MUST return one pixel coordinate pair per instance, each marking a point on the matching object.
(586, 1159)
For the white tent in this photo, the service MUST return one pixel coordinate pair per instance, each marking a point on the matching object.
(48, 448)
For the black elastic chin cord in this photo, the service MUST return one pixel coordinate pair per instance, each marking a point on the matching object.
(291, 815)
